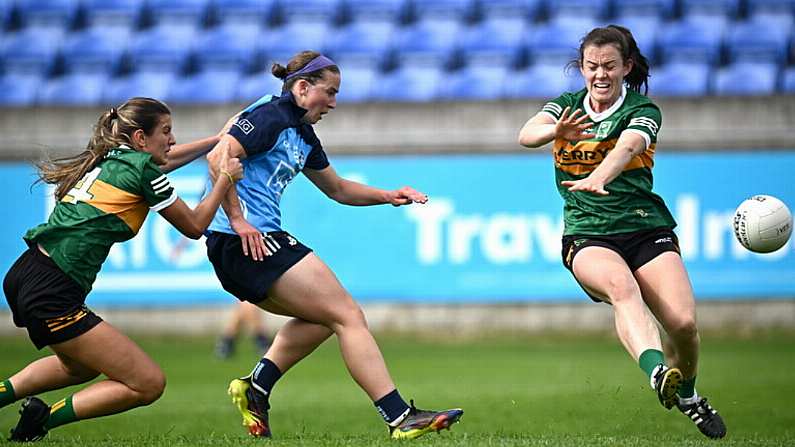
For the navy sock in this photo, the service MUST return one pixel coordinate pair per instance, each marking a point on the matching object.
(265, 375)
(392, 407)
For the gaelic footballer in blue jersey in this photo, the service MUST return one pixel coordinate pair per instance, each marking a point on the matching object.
(257, 261)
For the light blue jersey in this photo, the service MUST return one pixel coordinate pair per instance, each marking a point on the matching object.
(278, 146)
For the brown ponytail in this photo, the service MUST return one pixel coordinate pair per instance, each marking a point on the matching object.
(113, 129)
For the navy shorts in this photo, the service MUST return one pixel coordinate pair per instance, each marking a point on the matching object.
(636, 248)
(46, 301)
(245, 278)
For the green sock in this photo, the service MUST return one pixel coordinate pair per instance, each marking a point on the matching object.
(688, 388)
(649, 359)
(6, 393)
(61, 413)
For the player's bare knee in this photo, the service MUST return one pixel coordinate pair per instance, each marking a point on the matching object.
(621, 289)
(152, 387)
(683, 329)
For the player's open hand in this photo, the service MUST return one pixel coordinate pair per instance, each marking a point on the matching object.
(587, 184)
(573, 127)
(406, 196)
(251, 239)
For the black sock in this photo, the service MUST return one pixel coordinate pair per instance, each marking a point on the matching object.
(392, 407)
(265, 375)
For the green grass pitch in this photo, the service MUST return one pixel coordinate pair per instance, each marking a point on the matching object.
(515, 391)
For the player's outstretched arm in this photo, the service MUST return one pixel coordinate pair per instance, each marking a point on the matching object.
(193, 222)
(542, 128)
(352, 193)
(182, 154)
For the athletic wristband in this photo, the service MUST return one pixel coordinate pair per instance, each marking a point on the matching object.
(229, 176)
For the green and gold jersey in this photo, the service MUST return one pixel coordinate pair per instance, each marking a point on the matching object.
(108, 205)
(631, 205)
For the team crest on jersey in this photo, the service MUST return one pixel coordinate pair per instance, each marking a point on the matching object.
(245, 125)
(603, 130)
(281, 177)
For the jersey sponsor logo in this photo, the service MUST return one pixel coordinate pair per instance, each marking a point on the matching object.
(641, 212)
(245, 125)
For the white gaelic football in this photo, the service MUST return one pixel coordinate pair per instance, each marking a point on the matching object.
(762, 224)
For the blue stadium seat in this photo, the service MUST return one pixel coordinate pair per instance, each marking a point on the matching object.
(788, 80)
(746, 79)
(161, 49)
(771, 7)
(244, 12)
(207, 87)
(115, 13)
(556, 42)
(537, 81)
(680, 79)
(151, 85)
(182, 13)
(723, 8)
(361, 44)
(755, 41)
(282, 43)
(357, 84)
(95, 50)
(226, 47)
(310, 12)
(375, 11)
(474, 84)
(494, 42)
(574, 79)
(59, 14)
(514, 9)
(18, 90)
(427, 44)
(76, 89)
(644, 29)
(254, 86)
(409, 84)
(690, 41)
(593, 9)
(663, 9)
(442, 10)
(31, 51)
(5, 14)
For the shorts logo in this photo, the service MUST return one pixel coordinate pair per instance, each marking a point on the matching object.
(579, 242)
(664, 240)
(291, 240)
(245, 125)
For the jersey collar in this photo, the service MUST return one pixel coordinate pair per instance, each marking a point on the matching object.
(596, 117)
(296, 112)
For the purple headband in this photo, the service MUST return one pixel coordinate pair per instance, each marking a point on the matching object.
(315, 64)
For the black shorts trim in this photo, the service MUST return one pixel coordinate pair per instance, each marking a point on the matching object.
(46, 301)
(240, 275)
(636, 248)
